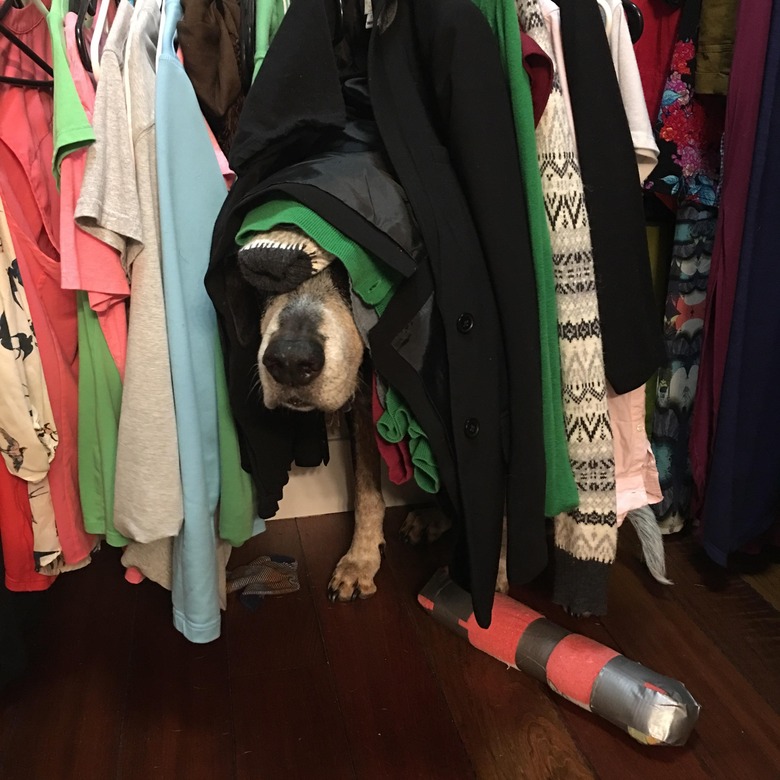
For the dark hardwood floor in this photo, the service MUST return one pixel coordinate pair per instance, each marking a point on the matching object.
(302, 688)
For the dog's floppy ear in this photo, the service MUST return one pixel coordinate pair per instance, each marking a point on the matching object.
(277, 261)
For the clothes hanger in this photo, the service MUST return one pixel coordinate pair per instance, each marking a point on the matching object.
(634, 19)
(84, 7)
(74, 5)
(247, 43)
(97, 33)
(34, 56)
(37, 3)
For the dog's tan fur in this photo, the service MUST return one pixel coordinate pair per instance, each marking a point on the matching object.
(337, 386)
(354, 574)
(337, 383)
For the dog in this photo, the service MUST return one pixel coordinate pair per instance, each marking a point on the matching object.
(313, 356)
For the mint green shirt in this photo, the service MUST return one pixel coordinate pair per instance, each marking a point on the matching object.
(71, 127)
(268, 17)
(100, 400)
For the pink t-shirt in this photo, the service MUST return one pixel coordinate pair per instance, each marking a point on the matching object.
(86, 262)
(636, 474)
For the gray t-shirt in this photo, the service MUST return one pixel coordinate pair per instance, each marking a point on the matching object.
(118, 204)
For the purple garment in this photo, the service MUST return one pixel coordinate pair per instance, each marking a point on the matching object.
(742, 500)
(742, 110)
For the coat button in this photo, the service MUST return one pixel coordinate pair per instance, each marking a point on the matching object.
(465, 322)
(471, 427)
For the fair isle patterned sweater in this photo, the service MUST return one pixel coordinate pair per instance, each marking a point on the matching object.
(585, 538)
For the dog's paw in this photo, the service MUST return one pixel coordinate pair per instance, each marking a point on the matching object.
(424, 524)
(353, 577)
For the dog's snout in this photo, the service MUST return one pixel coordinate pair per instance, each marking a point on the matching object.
(294, 362)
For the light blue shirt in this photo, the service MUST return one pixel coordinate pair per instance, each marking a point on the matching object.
(191, 190)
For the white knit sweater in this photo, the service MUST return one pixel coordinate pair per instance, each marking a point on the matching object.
(586, 538)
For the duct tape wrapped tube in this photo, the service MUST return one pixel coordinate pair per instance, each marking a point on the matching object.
(653, 709)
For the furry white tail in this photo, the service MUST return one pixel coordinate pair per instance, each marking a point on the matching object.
(651, 538)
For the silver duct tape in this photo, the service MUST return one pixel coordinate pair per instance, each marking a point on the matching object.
(451, 604)
(654, 709)
(536, 645)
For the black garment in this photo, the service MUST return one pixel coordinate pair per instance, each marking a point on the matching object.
(209, 37)
(630, 324)
(443, 110)
(295, 116)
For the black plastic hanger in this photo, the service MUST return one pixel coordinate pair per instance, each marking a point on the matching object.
(84, 7)
(34, 56)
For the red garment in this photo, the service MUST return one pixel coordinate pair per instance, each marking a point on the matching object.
(539, 68)
(17, 536)
(396, 456)
(654, 49)
(31, 200)
(742, 108)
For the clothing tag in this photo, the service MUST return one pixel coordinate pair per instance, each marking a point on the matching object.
(368, 10)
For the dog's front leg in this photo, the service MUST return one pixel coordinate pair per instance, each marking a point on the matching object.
(354, 575)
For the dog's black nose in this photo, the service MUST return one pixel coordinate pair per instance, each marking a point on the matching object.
(294, 362)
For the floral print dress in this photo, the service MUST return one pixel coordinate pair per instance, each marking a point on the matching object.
(689, 133)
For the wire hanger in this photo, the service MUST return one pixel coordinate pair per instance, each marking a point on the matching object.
(34, 56)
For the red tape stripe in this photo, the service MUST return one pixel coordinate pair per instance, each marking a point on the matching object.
(575, 664)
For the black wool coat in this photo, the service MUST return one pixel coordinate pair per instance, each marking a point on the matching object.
(460, 339)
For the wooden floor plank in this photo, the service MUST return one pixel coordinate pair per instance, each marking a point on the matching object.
(583, 742)
(397, 719)
(738, 733)
(610, 750)
(288, 722)
(178, 720)
(507, 721)
(760, 568)
(302, 688)
(289, 725)
(744, 625)
(767, 583)
(66, 715)
(283, 633)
